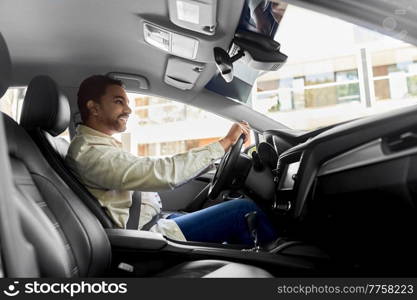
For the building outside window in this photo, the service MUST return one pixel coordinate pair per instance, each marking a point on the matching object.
(164, 127)
(323, 81)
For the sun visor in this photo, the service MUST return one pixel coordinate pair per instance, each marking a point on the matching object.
(199, 16)
(181, 73)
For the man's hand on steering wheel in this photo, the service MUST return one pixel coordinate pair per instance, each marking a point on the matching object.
(234, 133)
(232, 144)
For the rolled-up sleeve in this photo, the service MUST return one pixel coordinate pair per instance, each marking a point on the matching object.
(107, 167)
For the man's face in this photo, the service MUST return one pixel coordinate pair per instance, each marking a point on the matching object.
(112, 111)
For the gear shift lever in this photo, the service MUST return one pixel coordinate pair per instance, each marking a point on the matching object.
(252, 220)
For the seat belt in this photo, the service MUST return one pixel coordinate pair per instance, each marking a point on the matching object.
(152, 222)
(134, 214)
(134, 211)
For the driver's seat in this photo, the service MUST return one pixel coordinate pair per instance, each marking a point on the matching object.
(45, 115)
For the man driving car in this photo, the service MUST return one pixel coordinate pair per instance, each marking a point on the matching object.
(111, 174)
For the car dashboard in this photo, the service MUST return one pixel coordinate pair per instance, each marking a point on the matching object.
(351, 188)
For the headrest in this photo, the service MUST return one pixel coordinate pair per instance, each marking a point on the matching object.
(5, 67)
(45, 106)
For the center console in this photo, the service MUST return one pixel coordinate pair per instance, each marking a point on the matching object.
(284, 257)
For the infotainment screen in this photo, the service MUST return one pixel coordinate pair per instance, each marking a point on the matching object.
(287, 182)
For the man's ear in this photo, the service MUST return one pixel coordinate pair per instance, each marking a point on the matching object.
(92, 107)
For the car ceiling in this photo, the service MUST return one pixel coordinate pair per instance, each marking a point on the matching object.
(70, 40)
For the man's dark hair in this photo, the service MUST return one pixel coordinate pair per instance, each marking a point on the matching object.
(93, 88)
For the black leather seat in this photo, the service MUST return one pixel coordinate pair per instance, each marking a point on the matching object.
(67, 238)
(213, 269)
(45, 115)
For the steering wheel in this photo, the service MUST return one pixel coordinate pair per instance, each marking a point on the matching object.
(224, 170)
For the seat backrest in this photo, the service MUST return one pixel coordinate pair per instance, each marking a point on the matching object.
(45, 115)
(49, 231)
(5, 66)
(66, 236)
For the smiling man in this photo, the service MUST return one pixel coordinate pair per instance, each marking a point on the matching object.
(111, 174)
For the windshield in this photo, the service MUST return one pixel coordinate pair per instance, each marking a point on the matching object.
(336, 71)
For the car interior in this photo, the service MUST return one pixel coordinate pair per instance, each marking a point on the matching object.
(342, 197)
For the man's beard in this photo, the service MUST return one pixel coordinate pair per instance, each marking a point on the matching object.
(119, 125)
(116, 124)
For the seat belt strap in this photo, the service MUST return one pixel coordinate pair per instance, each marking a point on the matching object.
(134, 211)
(152, 222)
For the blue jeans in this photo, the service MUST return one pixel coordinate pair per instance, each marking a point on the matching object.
(225, 222)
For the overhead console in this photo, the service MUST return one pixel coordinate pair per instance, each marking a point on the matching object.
(199, 16)
(193, 29)
(182, 71)
(171, 42)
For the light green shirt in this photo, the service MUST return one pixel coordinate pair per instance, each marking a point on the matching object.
(111, 174)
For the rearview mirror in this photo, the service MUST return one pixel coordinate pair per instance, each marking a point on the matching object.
(258, 51)
(225, 63)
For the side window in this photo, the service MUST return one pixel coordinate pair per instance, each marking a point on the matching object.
(163, 127)
(11, 104)
(347, 72)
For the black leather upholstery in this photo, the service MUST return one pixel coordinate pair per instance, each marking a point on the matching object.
(39, 111)
(67, 237)
(54, 150)
(45, 114)
(5, 66)
(214, 269)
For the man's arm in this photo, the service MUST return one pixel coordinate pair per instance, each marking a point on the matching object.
(106, 167)
(234, 133)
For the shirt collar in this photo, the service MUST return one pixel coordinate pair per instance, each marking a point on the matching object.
(86, 130)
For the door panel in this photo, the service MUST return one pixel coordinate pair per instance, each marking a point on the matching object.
(182, 196)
